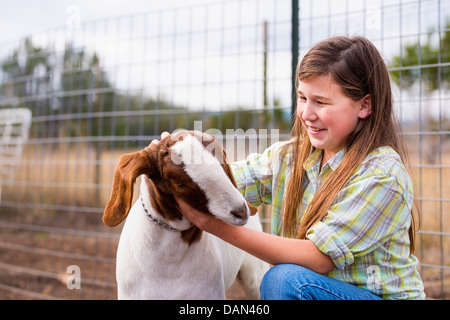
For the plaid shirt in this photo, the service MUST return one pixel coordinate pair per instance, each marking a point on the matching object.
(365, 232)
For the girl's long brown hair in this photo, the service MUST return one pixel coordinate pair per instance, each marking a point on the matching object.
(356, 65)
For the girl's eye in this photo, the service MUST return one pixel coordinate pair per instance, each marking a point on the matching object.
(321, 103)
(302, 98)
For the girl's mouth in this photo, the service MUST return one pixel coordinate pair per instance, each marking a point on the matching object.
(315, 131)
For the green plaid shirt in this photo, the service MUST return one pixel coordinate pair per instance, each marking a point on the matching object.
(365, 232)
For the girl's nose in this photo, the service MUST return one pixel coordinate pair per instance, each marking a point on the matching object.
(306, 112)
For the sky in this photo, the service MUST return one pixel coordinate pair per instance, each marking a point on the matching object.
(51, 20)
(20, 18)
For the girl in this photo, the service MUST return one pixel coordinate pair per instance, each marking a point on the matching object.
(341, 195)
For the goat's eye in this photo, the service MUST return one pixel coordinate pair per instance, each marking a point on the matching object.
(180, 185)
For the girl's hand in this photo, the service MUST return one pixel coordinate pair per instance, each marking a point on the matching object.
(270, 248)
(202, 220)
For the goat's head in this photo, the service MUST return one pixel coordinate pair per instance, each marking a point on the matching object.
(187, 164)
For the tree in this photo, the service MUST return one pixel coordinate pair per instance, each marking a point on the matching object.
(25, 71)
(422, 60)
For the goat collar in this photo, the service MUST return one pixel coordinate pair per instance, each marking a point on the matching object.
(156, 221)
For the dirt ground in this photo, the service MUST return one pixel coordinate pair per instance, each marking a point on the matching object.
(34, 266)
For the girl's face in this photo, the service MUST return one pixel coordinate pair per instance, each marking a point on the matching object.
(327, 114)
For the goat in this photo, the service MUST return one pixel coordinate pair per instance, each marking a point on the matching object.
(161, 255)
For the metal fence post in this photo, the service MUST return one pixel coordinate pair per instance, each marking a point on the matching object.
(294, 52)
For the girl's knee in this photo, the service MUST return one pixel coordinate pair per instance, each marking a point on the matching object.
(279, 282)
(271, 278)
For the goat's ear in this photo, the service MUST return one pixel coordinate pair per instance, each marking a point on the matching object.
(130, 167)
(253, 210)
(226, 167)
(229, 172)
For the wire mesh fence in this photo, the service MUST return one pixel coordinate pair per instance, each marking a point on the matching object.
(102, 88)
(414, 39)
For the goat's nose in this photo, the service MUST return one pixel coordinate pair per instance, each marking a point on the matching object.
(240, 213)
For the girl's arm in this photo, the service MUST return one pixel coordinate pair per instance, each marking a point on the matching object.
(270, 248)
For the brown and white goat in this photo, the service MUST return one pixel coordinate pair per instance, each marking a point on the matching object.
(161, 255)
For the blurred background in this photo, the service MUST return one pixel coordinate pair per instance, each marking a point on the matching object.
(82, 82)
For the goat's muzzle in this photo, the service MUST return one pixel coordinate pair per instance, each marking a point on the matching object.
(241, 213)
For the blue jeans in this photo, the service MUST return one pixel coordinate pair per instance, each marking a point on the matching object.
(294, 282)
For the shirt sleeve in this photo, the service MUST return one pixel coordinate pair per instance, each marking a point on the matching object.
(253, 178)
(366, 214)
(254, 175)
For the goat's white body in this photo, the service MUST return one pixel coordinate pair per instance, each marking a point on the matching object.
(154, 263)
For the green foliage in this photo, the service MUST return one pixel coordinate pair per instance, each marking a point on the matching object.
(422, 60)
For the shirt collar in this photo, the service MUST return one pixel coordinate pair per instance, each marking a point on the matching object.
(316, 157)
